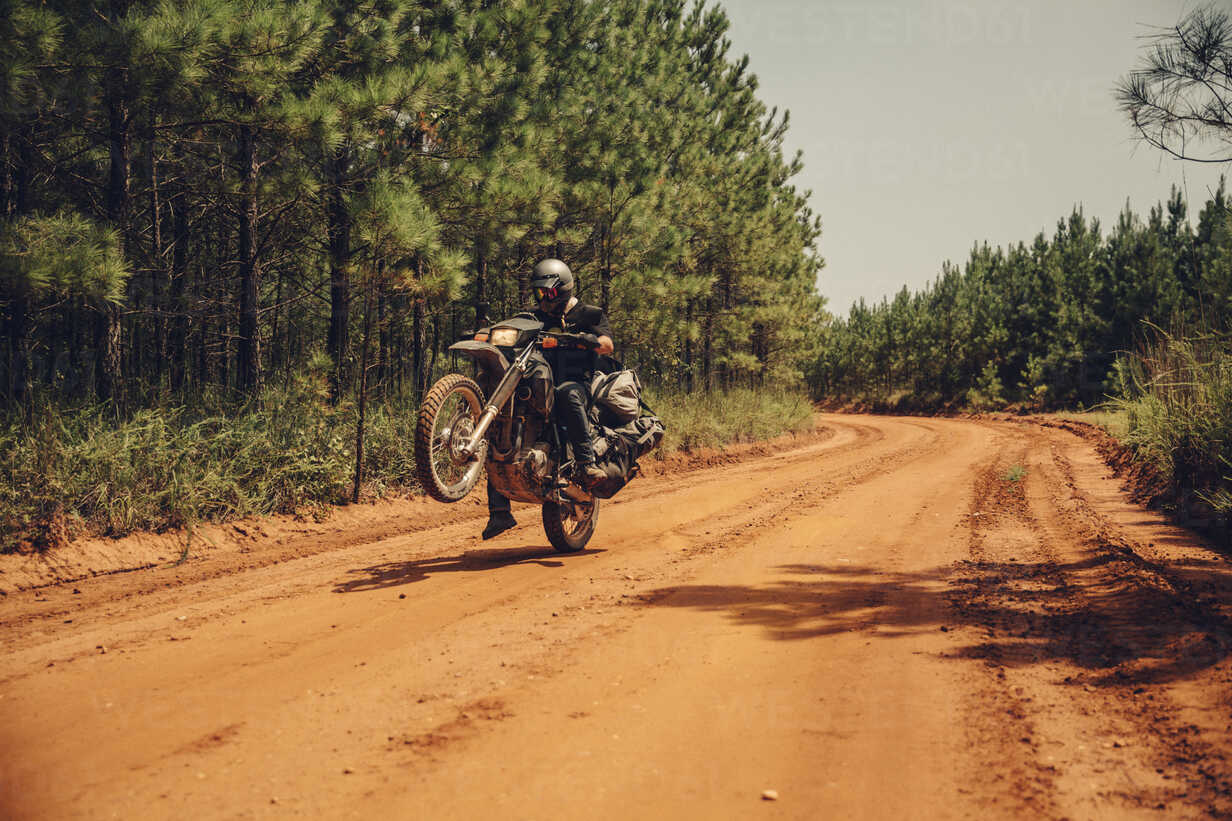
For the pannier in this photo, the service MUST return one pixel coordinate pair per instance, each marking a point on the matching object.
(617, 396)
(618, 462)
(643, 434)
(618, 449)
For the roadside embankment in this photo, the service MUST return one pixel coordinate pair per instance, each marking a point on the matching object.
(1148, 480)
(257, 536)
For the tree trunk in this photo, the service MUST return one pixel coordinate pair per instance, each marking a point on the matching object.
(363, 394)
(523, 287)
(707, 347)
(18, 327)
(77, 344)
(216, 332)
(158, 271)
(278, 346)
(482, 307)
(339, 233)
(179, 273)
(432, 351)
(23, 169)
(383, 341)
(248, 363)
(688, 346)
(417, 348)
(6, 176)
(107, 352)
(107, 328)
(293, 345)
(454, 334)
(398, 366)
(605, 291)
(16, 204)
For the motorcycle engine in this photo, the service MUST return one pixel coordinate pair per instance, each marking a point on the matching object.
(536, 462)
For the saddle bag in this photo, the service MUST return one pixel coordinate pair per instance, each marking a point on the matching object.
(617, 396)
(617, 451)
(622, 432)
(643, 434)
(620, 465)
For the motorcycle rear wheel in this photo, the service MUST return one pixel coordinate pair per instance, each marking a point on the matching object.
(447, 418)
(570, 525)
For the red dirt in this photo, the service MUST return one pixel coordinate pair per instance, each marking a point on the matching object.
(912, 618)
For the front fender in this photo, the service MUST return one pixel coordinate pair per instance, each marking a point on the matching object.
(488, 356)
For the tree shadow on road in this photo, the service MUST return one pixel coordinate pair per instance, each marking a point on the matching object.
(1119, 622)
(395, 574)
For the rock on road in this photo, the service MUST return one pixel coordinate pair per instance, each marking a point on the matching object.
(909, 618)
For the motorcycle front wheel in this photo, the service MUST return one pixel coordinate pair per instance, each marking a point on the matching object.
(570, 524)
(447, 419)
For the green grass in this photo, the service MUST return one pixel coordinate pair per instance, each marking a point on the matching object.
(79, 472)
(712, 420)
(1112, 419)
(1016, 474)
(1177, 402)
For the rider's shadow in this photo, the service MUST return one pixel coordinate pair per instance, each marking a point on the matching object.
(393, 574)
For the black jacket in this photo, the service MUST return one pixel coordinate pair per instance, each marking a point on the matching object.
(570, 364)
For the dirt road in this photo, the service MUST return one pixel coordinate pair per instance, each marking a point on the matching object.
(911, 618)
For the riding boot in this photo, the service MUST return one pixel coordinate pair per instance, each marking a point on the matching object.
(500, 518)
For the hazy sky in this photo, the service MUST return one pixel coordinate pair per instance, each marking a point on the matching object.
(929, 125)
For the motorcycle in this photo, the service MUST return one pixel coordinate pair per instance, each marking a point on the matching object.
(512, 432)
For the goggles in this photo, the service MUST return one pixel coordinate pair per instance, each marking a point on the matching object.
(546, 294)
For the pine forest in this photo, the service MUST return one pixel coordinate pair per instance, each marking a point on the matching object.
(226, 224)
(199, 198)
(237, 238)
(1050, 324)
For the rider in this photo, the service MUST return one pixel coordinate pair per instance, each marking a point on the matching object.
(560, 310)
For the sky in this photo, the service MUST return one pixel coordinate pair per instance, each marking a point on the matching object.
(930, 125)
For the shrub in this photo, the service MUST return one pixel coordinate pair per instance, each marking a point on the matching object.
(1177, 397)
(699, 420)
(77, 471)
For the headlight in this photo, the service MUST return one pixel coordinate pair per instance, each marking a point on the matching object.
(504, 337)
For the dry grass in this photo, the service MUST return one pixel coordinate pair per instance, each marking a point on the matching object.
(1116, 422)
(82, 471)
(712, 420)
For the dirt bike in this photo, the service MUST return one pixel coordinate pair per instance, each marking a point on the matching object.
(512, 432)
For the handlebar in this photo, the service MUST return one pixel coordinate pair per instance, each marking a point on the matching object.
(581, 342)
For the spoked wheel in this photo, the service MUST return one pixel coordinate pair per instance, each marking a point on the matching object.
(447, 420)
(570, 524)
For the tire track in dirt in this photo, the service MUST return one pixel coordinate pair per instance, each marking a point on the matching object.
(824, 621)
(219, 603)
(999, 520)
(700, 536)
(1073, 623)
(29, 615)
(722, 630)
(1166, 657)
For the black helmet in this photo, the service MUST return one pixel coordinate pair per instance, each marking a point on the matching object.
(552, 285)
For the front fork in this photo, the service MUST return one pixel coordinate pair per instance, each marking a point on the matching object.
(503, 391)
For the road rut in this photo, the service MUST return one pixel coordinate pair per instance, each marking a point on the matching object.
(912, 618)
